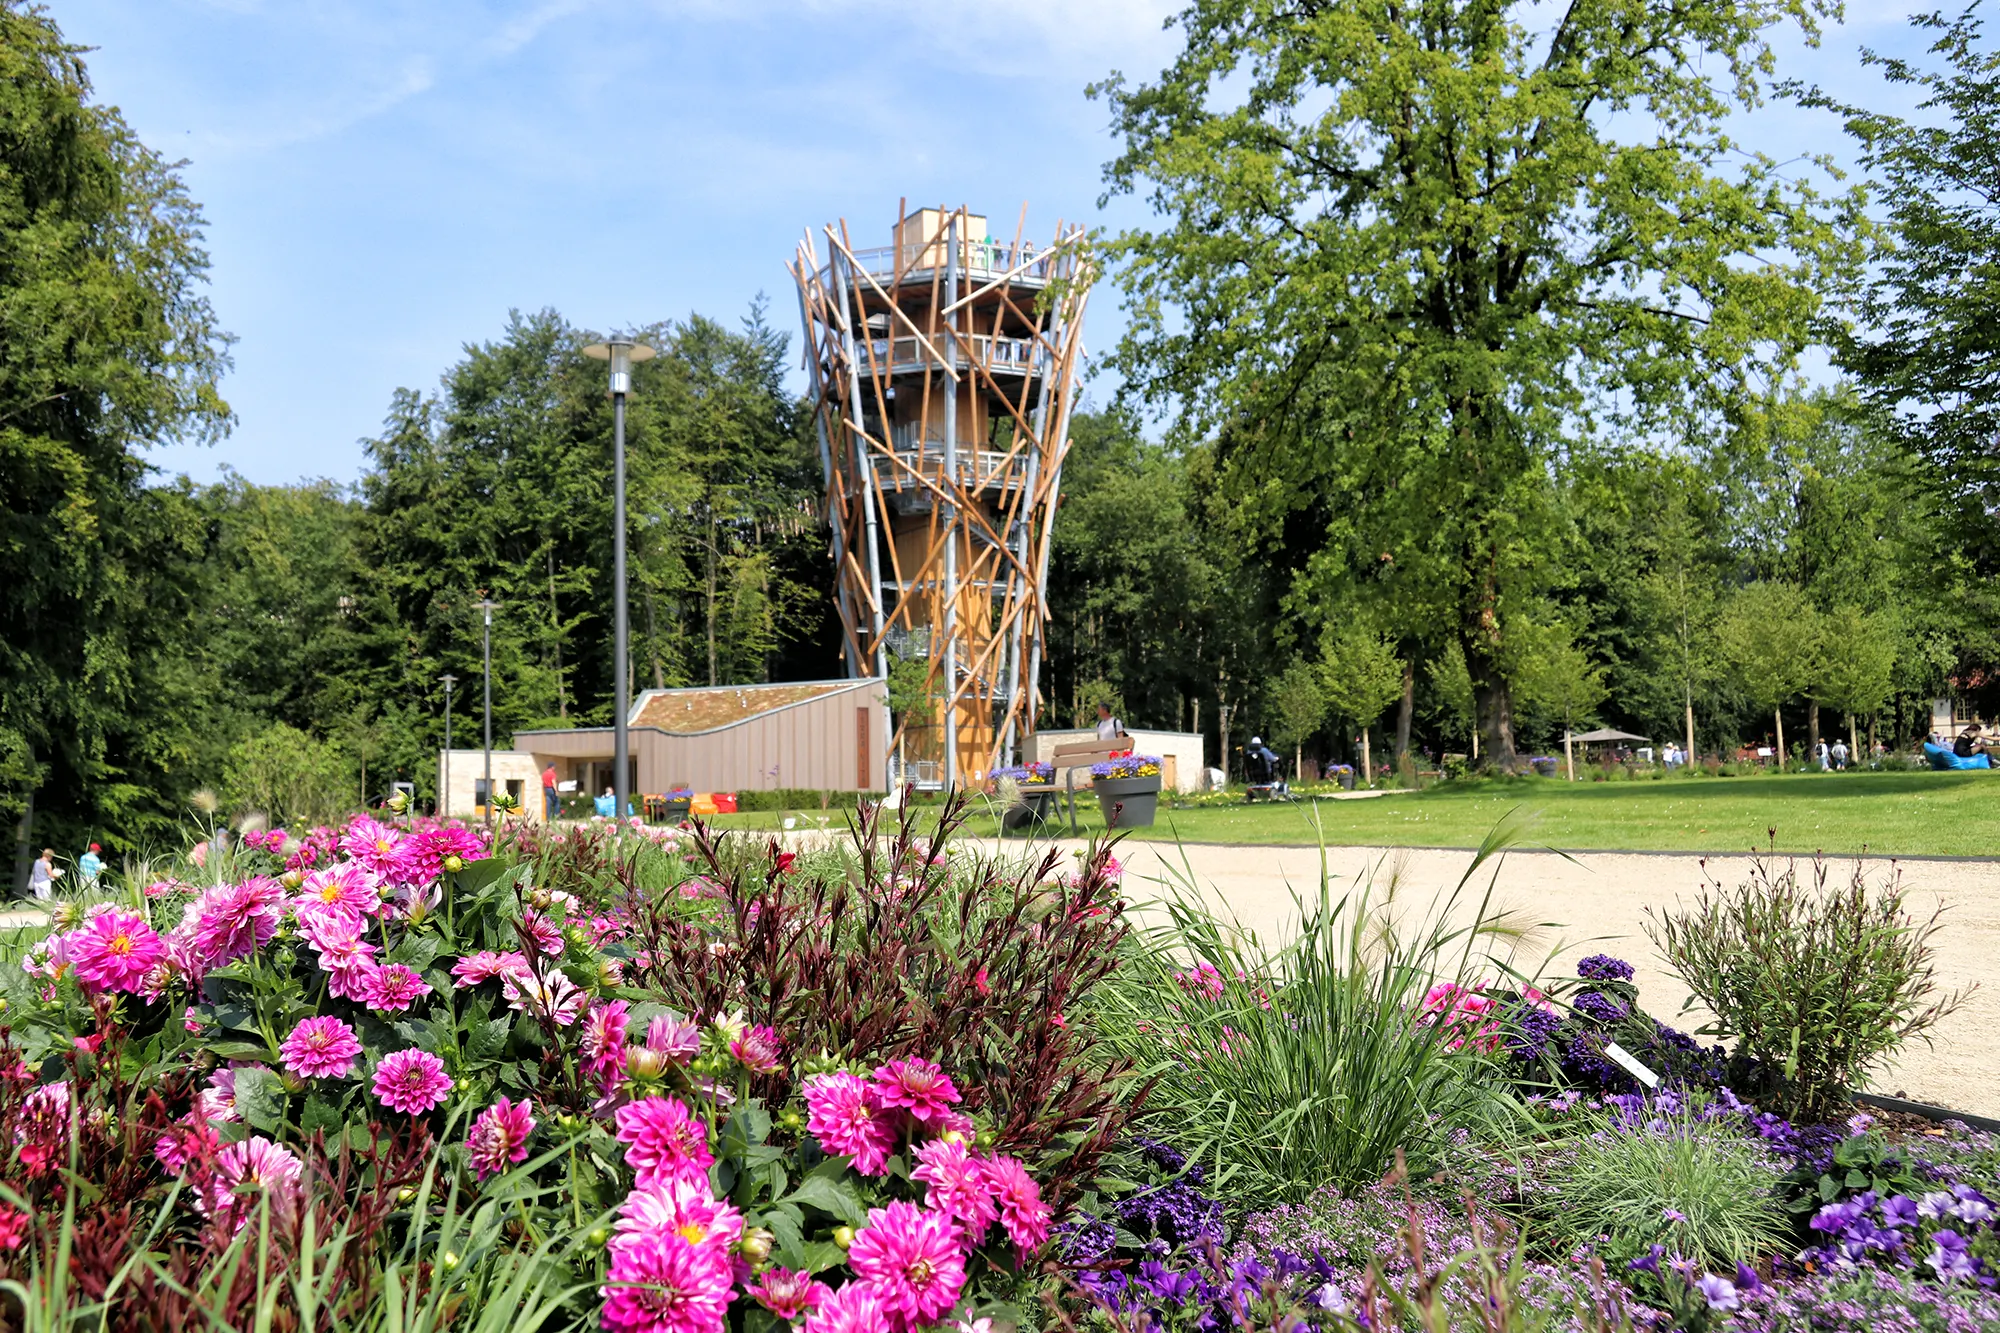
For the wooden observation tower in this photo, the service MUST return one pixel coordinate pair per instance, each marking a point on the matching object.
(942, 367)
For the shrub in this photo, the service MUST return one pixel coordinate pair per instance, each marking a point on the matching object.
(897, 948)
(1816, 986)
(289, 776)
(1310, 1062)
(1673, 1180)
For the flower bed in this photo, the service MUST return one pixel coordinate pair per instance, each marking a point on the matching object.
(599, 1069)
(1128, 766)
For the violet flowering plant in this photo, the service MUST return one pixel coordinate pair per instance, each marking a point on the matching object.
(1128, 766)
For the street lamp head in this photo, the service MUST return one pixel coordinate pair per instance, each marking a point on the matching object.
(623, 354)
(487, 605)
(447, 680)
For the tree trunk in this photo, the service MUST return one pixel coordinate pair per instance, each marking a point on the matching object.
(653, 644)
(1222, 711)
(555, 628)
(1693, 754)
(1853, 742)
(1812, 732)
(1298, 761)
(1367, 768)
(1405, 711)
(24, 828)
(711, 595)
(1569, 758)
(1778, 716)
(1492, 700)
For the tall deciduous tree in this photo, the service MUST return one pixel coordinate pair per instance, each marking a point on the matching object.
(1924, 346)
(1770, 635)
(1360, 675)
(1412, 248)
(107, 345)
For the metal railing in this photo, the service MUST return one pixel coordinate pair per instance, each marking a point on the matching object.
(978, 468)
(978, 261)
(1008, 355)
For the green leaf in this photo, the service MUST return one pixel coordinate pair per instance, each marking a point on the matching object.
(415, 950)
(488, 1040)
(836, 1198)
(240, 1050)
(260, 1099)
(323, 1113)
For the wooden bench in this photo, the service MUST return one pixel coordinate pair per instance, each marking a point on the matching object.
(1071, 756)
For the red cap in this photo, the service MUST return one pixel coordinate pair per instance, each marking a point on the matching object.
(95, 848)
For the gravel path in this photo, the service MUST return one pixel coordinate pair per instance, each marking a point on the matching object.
(1589, 902)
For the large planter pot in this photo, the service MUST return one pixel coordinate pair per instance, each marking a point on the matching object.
(1033, 805)
(1128, 802)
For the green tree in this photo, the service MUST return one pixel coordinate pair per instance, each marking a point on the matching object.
(1360, 675)
(1857, 664)
(1769, 634)
(1409, 253)
(289, 777)
(1298, 706)
(1555, 677)
(1922, 343)
(109, 346)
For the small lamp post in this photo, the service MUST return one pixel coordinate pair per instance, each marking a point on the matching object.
(623, 354)
(486, 605)
(444, 795)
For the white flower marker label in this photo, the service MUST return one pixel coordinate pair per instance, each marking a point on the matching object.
(1631, 1065)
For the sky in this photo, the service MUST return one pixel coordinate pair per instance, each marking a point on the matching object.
(385, 181)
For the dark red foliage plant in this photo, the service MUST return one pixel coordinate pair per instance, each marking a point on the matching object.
(965, 960)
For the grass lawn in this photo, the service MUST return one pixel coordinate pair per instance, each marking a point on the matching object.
(1954, 814)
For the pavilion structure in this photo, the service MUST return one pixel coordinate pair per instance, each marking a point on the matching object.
(942, 370)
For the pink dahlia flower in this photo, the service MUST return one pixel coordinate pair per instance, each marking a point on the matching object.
(245, 1170)
(666, 1285)
(499, 1137)
(759, 1050)
(547, 935)
(421, 856)
(603, 1046)
(343, 888)
(1023, 1215)
(486, 965)
(842, 1113)
(678, 1039)
(857, 1307)
(233, 921)
(321, 1047)
(553, 998)
(663, 1140)
(682, 1207)
(393, 988)
(217, 1101)
(914, 1258)
(372, 844)
(917, 1084)
(114, 951)
(958, 1185)
(788, 1293)
(412, 1082)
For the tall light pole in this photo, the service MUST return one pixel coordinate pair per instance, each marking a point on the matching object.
(486, 605)
(444, 796)
(623, 354)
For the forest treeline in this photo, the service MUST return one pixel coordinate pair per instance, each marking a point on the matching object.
(1554, 471)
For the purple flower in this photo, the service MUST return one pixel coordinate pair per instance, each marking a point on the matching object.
(1972, 1207)
(1599, 1007)
(1719, 1292)
(1172, 1287)
(1747, 1280)
(1949, 1257)
(1936, 1204)
(1603, 967)
(1649, 1262)
(1899, 1211)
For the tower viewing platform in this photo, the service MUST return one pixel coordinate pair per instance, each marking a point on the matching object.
(942, 369)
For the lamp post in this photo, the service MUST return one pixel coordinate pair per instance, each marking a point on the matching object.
(444, 793)
(623, 354)
(486, 605)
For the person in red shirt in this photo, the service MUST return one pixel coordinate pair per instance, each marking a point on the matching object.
(549, 802)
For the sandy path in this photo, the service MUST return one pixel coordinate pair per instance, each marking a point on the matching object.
(1594, 902)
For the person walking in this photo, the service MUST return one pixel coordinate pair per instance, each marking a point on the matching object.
(1840, 756)
(90, 866)
(550, 803)
(1108, 727)
(1821, 757)
(42, 877)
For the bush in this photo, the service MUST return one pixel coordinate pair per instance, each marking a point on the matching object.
(1692, 1187)
(1815, 986)
(1312, 1062)
(287, 775)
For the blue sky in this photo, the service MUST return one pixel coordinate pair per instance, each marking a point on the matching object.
(384, 181)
